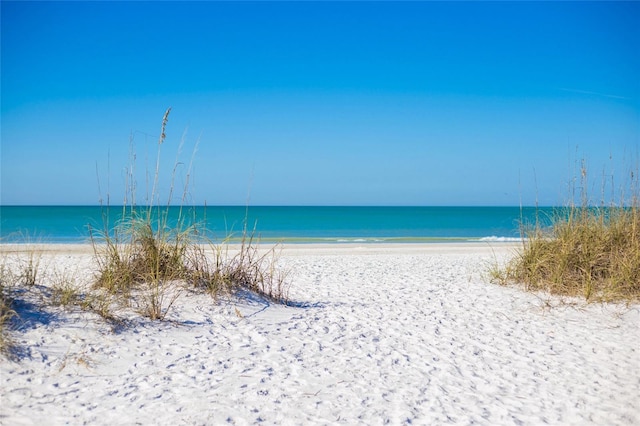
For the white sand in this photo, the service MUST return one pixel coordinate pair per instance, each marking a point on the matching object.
(386, 334)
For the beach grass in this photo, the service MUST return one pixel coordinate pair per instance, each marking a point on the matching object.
(20, 270)
(65, 290)
(587, 251)
(146, 260)
(225, 271)
(30, 267)
(6, 314)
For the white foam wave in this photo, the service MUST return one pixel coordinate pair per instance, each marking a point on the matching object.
(496, 239)
(358, 240)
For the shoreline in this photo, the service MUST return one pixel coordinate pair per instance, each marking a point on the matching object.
(461, 246)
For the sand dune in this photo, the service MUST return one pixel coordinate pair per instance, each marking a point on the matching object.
(392, 334)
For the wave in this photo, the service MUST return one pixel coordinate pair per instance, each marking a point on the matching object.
(495, 239)
(358, 240)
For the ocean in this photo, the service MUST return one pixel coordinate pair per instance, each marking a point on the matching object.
(290, 224)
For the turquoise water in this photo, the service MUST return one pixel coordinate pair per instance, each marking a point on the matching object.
(70, 224)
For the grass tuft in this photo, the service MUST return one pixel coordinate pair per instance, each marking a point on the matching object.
(65, 291)
(146, 259)
(6, 314)
(590, 252)
(246, 268)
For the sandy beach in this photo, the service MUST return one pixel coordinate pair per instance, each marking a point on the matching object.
(378, 334)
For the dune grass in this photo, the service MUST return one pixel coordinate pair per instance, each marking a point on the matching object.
(245, 267)
(21, 270)
(147, 260)
(6, 314)
(144, 262)
(588, 251)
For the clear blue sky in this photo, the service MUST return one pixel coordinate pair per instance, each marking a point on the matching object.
(318, 103)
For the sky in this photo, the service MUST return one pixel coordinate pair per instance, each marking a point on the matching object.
(317, 103)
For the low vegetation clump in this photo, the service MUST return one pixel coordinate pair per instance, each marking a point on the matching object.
(6, 314)
(145, 260)
(149, 257)
(244, 267)
(150, 269)
(18, 272)
(590, 252)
